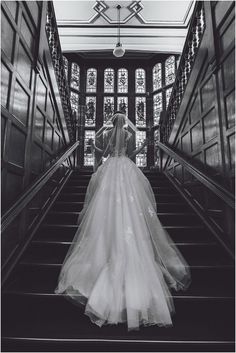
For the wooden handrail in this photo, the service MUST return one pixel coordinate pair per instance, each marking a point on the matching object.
(29, 193)
(215, 187)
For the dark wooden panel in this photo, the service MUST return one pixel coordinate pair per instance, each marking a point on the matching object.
(212, 158)
(50, 108)
(210, 125)
(231, 146)
(7, 37)
(16, 154)
(21, 104)
(14, 185)
(228, 36)
(230, 109)
(41, 94)
(5, 85)
(48, 135)
(220, 10)
(194, 113)
(36, 158)
(197, 138)
(12, 7)
(207, 94)
(39, 125)
(186, 143)
(27, 33)
(33, 8)
(229, 70)
(24, 65)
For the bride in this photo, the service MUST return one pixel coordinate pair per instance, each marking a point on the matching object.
(122, 263)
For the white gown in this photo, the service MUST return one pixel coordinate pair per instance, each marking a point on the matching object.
(122, 262)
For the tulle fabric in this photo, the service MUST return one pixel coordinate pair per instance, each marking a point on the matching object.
(122, 263)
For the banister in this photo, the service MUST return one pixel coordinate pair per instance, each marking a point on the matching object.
(29, 193)
(211, 184)
(194, 36)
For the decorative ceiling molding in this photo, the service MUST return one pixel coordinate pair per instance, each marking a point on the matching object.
(101, 7)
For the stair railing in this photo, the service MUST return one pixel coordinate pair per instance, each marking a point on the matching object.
(30, 193)
(211, 184)
(192, 43)
(42, 193)
(224, 200)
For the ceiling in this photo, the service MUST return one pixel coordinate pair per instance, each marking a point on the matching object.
(146, 26)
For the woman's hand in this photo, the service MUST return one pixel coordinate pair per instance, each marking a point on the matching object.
(91, 142)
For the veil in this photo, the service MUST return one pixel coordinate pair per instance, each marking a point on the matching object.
(116, 137)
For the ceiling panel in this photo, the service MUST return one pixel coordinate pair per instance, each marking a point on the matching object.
(155, 26)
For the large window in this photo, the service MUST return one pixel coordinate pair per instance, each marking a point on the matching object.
(163, 77)
(122, 81)
(91, 82)
(109, 81)
(140, 84)
(140, 94)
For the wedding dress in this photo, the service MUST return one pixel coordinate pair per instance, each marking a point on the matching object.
(122, 263)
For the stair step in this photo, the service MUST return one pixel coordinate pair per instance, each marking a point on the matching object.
(54, 253)
(166, 218)
(80, 196)
(33, 344)
(156, 189)
(29, 278)
(66, 232)
(55, 317)
(74, 206)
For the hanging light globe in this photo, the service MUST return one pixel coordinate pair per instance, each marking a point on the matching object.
(119, 50)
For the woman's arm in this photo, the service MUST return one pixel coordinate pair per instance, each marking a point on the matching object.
(94, 147)
(145, 142)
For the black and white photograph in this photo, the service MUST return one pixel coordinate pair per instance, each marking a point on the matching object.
(118, 176)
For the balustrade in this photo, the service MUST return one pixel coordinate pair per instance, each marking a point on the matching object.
(191, 46)
(58, 63)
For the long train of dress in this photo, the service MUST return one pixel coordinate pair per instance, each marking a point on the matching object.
(122, 263)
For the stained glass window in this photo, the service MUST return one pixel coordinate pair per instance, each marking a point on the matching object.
(109, 81)
(140, 111)
(156, 149)
(168, 94)
(140, 81)
(88, 154)
(122, 105)
(108, 108)
(156, 76)
(74, 101)
(65, 62)
(90, 112)
(157, 107)
(122, 81)
(75, 76)
(141, 158)
(170, 70)
(91, 82)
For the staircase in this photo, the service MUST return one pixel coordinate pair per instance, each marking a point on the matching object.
(35, 319)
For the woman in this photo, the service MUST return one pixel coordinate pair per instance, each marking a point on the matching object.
(122, 262)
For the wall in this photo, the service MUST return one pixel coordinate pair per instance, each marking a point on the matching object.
(33, 125)
(204, 131)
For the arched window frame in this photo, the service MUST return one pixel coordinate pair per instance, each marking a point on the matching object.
(119, 87)
(112, 88)
(92, 88)
(142, 89)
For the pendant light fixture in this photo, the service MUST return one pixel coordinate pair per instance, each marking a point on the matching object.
(118, 51)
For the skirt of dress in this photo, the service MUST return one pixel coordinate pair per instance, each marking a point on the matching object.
(122, 263)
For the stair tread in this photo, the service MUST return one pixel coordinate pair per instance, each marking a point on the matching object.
(58, 318)
(195, 255)
(42, 279)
